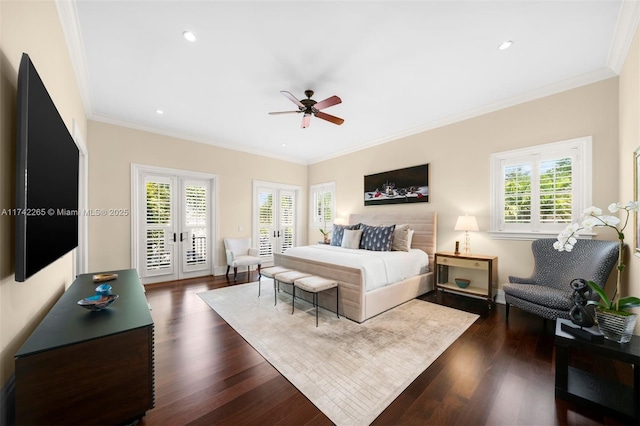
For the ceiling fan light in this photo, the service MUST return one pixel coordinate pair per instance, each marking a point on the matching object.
(189, 36)
(505, 45)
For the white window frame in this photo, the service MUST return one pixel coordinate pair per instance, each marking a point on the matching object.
(316, 221)
(578, 149)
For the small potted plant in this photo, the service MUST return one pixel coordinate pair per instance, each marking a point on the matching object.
(614, 322)
(326, 234)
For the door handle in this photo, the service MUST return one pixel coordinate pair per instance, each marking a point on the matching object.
(174, 237)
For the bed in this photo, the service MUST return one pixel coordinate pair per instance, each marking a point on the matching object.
(355, 301)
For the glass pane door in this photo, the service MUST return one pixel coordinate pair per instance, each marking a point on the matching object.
(158, 228)
(194, 232)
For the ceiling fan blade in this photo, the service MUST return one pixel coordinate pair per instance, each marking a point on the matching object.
(329, 117)
(292, 99)
(334, 100)
(285, 112)
(306, 120)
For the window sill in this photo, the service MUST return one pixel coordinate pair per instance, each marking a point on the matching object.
(530, 236)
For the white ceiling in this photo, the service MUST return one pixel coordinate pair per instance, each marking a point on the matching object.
(399, 67)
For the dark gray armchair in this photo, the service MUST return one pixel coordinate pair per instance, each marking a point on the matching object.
(547, 292)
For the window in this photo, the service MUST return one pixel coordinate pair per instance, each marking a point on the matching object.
(323, 204)
(537, 191)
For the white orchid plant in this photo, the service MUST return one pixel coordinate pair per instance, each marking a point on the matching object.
(591, 218)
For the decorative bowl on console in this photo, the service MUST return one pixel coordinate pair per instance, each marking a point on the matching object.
(102, 299)
(462, 282)
(97, 302)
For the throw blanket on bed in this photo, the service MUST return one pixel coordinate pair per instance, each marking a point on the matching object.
(379, 268)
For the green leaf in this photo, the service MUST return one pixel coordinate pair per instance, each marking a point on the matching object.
(628, 302)
(606, 303)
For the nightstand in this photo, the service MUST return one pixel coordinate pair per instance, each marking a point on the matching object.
(481, 270)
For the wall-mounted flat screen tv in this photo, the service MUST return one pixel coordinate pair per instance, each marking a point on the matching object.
(47, 160)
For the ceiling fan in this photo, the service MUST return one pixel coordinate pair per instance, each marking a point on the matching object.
(310, 107)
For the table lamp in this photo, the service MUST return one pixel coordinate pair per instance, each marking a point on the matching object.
(466, 223)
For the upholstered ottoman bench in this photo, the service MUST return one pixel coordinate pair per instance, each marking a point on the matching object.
(288, 277)
(271, 272)
(314, 285)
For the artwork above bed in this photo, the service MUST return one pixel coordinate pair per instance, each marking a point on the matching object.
(408, 185)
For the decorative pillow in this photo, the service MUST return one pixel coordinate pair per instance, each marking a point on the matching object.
(376, 238)
(401, 238)
(351, 238)
(410, 238)
(338, 232)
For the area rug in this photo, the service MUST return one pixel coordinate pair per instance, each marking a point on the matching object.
(350, 371)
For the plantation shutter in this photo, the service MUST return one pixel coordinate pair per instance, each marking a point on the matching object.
(195, 227)
(266, 221)
(322, 208)
(556, 190)
(158, 253)
(287, 220)
(538, 191)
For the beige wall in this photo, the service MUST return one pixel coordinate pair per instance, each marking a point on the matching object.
(112, 150)
(629, 142)
(459, 168)
(32, 27)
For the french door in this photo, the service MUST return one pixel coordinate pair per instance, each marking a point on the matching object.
(276, 214)
(173, 235)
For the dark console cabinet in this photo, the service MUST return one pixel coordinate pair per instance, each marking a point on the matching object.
(83, 367)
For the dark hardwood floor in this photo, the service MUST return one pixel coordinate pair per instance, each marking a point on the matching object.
(496, 373)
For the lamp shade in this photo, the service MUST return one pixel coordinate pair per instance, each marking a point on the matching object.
(340, 220)
(466, 223)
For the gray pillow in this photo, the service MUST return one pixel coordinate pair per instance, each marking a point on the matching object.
(351, 238)
(401, 238)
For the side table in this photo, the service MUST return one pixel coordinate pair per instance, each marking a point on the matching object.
(485, 286)
(584, 388)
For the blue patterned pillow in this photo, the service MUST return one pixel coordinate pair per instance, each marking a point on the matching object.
(376, 238)
(338, 233)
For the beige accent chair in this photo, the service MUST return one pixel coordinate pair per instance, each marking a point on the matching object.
(240, 253)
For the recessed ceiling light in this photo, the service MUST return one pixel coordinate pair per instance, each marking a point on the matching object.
(505, 45)
(159, 112)
(189, 36)
(284, 144)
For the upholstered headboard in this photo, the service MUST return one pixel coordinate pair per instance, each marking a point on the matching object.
(424, 224)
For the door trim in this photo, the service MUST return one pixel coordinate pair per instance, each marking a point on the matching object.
(137, 170)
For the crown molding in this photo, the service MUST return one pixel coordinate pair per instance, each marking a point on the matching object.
(68, 15)
(100, 118)
(625, 30)
(549, 90)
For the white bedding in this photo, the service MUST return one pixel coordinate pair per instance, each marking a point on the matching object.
(379, 268)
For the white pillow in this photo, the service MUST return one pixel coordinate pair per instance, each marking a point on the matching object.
(401, 240)
(351, 238)
(410, 239)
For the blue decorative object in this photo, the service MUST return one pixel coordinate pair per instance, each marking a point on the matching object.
(462, 282)
(102, 299)
(103, 290)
